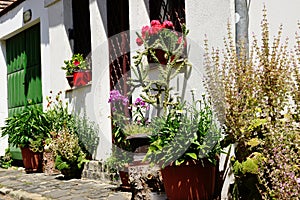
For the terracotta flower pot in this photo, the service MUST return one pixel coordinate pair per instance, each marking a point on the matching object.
(124, 176)
(32, 160)
(82, 77)
(190, 181)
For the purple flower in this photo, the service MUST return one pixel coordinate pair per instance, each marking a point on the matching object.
(140, 103)
(115, 96)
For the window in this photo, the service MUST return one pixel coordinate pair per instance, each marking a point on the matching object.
(172, 10)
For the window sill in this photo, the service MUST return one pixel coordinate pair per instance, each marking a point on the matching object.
(79, 87)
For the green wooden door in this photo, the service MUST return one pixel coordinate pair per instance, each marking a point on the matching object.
(23, 71)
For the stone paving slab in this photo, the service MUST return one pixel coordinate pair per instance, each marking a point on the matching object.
(17, 185)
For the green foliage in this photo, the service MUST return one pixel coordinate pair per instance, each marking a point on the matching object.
(58, 114)
(30, 125)
(250, 165)
(135, 128)
(257, 101)
(87, 133)
(60, 118)
(187, 133)
(6, 160)
(180, 132)
(76, 63)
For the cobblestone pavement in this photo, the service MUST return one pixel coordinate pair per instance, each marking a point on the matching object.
(16, 184)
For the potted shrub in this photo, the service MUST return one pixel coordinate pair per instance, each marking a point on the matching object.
(77, 69)
(69, 157)
(186, 144)
(28, 130)
(78, 128)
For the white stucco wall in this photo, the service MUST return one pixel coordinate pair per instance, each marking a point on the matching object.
(278, 12)
(97, 94)
(59, 47)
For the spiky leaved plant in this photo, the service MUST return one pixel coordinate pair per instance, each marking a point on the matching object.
(257, 104)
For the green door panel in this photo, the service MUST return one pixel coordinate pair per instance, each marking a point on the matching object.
(23, 72)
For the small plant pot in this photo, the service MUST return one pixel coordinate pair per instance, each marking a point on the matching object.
(82, 78)
(124, 176)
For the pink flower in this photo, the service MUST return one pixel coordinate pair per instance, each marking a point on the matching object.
(168, 24)
(145, 30)
(155, 23)
(139, 41)
(155, 29)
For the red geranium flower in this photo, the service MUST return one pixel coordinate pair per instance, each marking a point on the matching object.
(76, 63)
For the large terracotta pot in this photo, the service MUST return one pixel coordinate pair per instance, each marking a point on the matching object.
(32, 161)
(190, 181)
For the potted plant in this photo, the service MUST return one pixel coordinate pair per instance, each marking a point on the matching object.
(77, 69)
(161, 42)
(69, 157)
(186, 144)
(78, 128)
(184, 134)
(28, 130)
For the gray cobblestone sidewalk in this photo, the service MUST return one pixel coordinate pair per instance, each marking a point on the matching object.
(16, 184)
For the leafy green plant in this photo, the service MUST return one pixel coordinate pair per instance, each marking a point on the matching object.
(60, 118)
(6, 160)
(58, 114)
(180, 131)
(31, 125)
(76, 63)
(187, 133)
